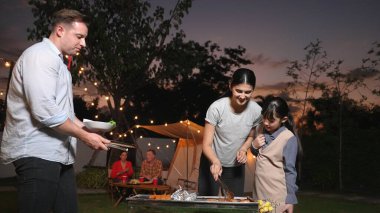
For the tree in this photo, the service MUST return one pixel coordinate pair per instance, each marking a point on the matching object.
(359, 129)
(125, 41)
(370, 64)
(305, 74)
(134, 48)
(199, 74)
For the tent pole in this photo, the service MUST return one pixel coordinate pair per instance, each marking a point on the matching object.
(187, 157)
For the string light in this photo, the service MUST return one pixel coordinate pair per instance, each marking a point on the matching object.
(121, 108)
(77, 53)
(166, 124)
(111, 133)
(95, 83)
(92, 104)
(137, 126)
(107, 98)
(141, 136)
(81, 69)
(120, 135)
(7, 64)
(173, 141)
(136, 117)
(167, 146)
(125, 134)
(181, 121)
(151, 121)
(158, 147)
(148, 144)
(66, 56)
(80, 72)
(1, 93)
(199, 131)
(131, 131)
(96, 116)
(85, 89)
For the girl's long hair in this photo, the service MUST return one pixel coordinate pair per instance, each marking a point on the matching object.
(277, 107)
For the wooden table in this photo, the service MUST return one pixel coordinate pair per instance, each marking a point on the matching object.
(151, 188)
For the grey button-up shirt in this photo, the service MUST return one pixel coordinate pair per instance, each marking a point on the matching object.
(40, 97)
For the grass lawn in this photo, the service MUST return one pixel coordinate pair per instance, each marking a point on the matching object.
(100, 203)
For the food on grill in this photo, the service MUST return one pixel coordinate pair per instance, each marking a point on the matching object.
(160, 197)
(228, 200)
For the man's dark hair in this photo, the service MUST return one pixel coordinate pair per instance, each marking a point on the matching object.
(67, 16)
(152, 150)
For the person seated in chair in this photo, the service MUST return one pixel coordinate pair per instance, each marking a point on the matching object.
(151, 167)
(122, 168)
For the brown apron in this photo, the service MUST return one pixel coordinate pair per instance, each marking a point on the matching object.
(270, 183)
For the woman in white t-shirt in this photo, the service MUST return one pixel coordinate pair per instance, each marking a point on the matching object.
(228, 134)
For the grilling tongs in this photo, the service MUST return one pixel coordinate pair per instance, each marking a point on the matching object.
(229, 195)
(120, 146)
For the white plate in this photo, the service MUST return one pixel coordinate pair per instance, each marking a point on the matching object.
(98, 125)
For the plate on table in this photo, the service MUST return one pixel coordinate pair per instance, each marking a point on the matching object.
(98, 125)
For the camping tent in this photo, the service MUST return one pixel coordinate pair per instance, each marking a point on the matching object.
(185, 162)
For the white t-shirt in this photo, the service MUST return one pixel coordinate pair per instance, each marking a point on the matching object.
(231, 129)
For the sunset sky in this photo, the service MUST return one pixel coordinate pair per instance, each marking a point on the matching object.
(274, 32)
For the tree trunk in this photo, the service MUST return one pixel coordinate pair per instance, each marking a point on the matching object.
(340, 144)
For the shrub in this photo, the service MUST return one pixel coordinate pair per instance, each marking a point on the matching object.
(92, 178)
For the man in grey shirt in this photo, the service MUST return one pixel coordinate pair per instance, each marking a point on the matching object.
(41, 128)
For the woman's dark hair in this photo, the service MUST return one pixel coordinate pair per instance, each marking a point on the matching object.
(277, 107)
(242, 76)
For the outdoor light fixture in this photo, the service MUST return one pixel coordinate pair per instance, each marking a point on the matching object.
(7, 64)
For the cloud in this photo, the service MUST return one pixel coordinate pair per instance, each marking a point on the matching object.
(276, 86)
(365, 73)
(261, 59)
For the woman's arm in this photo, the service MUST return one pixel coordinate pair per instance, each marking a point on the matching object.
(208, 137)
(115, 170)
(242, 153)
(130, 169)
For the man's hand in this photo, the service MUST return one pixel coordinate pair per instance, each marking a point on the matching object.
(95, 141)
(288, 208)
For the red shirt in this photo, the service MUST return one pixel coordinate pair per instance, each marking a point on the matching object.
(117, 167)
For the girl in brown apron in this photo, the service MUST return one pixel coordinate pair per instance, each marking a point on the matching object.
(276, 149)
